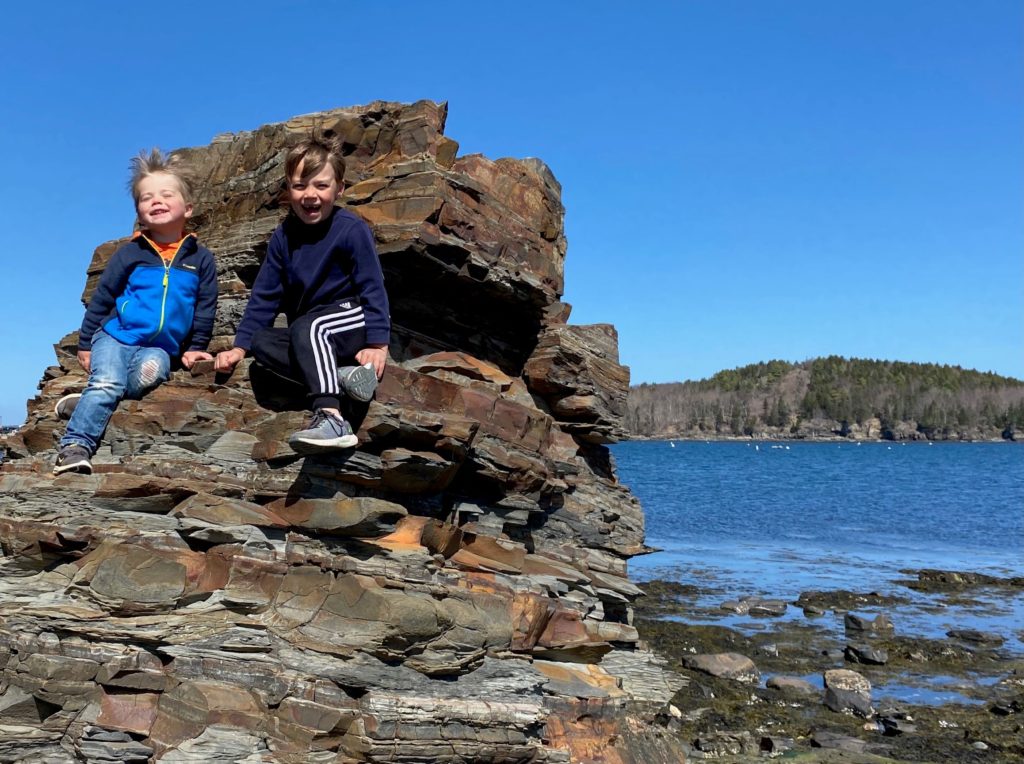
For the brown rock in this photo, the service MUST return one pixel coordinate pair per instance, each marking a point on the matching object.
(725, 665)
(189, 709)
(230, 598)
(361, 516)
(219, 510)
(129, 711)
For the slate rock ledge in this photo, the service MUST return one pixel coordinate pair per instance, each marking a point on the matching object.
(453, 590)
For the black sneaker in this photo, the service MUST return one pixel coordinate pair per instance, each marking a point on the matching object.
(358, 381)
(66, 405)
(73, 458)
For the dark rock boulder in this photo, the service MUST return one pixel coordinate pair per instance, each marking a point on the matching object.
(880, 624)
(866, 654)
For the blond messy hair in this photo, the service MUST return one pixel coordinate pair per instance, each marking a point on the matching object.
(314, 153)
(153, 162)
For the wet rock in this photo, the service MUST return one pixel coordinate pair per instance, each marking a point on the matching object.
(844, 679)
(930, 579)
(792, 685)
(892, 726)
(837, 741)
(848, 692)
(740, 607)
(719, 744)
(847, 701)
(880, 624)
(866, 654)
(842, 600)
(931, 733)
(976, 637)
(726, 666)
(1008, 707)
(768, 608)
(771, 650)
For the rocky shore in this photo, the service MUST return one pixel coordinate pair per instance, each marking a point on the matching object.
(832, 676)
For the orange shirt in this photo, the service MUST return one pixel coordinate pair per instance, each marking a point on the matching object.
(166, 251)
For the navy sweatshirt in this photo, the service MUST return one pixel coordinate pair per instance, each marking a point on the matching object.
(310, 266)
(146, 301)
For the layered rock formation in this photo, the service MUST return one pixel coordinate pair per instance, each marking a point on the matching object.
(455, 589)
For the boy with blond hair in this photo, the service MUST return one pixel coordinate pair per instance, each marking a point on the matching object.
(322, 272)
(156, 300)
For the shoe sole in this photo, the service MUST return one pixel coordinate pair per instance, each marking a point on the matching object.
(330, 444)
(360, 383)
(63, 410)
(83, 468)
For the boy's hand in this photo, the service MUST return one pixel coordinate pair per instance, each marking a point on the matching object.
(85, 360)
(189, 357)
(227, 360)
(376, 355)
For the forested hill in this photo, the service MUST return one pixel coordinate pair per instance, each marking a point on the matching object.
(833, 397)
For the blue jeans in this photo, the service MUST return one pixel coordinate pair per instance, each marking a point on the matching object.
(116, 371)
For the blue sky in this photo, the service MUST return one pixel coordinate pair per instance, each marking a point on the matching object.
(744, 180)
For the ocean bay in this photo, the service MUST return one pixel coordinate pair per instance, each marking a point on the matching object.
(949, 505)
(760, 519)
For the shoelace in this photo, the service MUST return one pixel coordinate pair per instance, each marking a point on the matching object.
(318, 416)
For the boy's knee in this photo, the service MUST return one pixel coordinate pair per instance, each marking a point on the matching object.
(149, 373)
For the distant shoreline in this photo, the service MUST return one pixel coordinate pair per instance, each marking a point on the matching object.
(777, 439)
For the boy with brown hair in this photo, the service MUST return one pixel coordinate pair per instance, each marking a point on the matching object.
(156, 299)
(321, 270)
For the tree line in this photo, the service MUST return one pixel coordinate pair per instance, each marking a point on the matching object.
(833, 396)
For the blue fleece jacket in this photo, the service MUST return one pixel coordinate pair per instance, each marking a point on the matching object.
(310, 266)
(144, 300)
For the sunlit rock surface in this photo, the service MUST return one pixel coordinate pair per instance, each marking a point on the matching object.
(455, 589)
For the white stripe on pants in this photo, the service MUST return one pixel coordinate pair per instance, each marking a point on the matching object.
(320, 333)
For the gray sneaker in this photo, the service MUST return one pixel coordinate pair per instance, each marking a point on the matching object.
(358, 382)
(325, 432)
(66, 405)
(73, 458)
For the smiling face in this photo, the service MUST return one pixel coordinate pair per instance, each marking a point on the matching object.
(162, 207)
(312, 199)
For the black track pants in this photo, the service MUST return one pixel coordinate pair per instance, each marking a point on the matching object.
(312, 347)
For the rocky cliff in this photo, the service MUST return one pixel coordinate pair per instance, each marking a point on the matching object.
(455, 589)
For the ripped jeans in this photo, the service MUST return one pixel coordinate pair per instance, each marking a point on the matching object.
(116, 371)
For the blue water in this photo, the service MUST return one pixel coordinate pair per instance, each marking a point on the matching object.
(958, 506)
(777, 519)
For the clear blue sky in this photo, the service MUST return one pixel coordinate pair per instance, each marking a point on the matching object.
(744, 180)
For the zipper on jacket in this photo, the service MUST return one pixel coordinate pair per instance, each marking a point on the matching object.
(167, 277)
